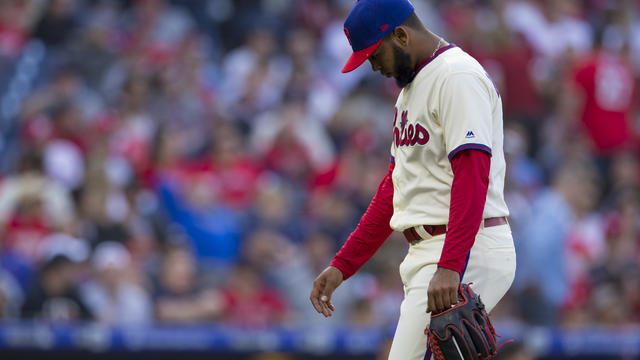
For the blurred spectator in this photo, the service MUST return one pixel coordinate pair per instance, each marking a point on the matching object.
(62, 107)
(54, 295)
(335, 50)
(66, 243)
(585, 249)
(254, 75)
(95, 45)
(544, 240)
(275, 208)
(551, 27)
(103, 212)
(11, 296)
(524, 176)
(361, 314)
(619, 264)
(520, 92)
(16, 19)
(132, 138)
(606, 307)
(155, 28)
(214, 230)
(31, 207)
(251, 303)
(603, 85)
(387, 298)
(180, 298)
(292, 266)
(291, 142)
(113, 297)
(57, 23)
(331, 212)
(235, 172)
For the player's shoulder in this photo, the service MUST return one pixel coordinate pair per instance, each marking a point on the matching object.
(457, 61)
(460, 67)
(460, 70)
(451, 66)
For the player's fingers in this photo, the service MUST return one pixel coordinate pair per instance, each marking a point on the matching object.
(316, 304)
(324, 297)
(431, 307)
(315, 295)
(446, 300)
(325, 294)
(453, 296)
(325, 300)
(439, 301)
(323, 310)
(326, 311)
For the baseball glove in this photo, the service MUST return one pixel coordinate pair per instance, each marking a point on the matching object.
(464, 331)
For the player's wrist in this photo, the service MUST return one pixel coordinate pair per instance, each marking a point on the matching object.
(341, 266)
(338, 270)
(450, 267)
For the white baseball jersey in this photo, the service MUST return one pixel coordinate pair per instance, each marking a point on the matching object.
(450, 105)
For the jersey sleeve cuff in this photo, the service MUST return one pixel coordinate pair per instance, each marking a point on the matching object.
(469, 146)
(343, 266)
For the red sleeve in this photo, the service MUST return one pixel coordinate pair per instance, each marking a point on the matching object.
(372, 230)
(468, 195)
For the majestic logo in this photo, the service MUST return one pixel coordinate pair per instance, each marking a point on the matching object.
(408, 134)
(470, 135)
(346, 32)
(384, 27)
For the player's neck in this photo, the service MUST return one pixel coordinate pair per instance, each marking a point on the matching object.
(427, 44)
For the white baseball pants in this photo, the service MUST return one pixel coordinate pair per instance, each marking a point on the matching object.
(491, 268)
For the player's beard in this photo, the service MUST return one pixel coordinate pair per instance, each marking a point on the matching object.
(402, 67)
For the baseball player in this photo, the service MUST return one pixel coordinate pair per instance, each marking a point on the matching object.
(444, 188)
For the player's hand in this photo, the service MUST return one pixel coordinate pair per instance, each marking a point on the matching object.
(323, 286)
(443, 290)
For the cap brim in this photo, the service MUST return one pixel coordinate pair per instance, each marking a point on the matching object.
(358, 57)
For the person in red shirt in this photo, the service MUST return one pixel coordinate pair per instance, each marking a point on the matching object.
(603, 89)
(250, 302)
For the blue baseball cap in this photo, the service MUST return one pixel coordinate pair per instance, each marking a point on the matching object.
(368, 23)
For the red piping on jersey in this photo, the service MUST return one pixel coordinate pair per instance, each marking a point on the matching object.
(469, 146)
(426, 61)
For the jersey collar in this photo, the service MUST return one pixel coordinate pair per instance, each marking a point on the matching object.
(426, 61)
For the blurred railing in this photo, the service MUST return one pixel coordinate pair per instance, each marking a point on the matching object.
(593, 342)
(94, 337)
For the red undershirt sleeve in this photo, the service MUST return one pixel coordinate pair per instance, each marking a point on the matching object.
(371, 232)
(468, 195)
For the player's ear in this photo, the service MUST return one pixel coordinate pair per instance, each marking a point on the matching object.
(400, 36)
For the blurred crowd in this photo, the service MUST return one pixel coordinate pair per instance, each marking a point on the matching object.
(201, 162)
